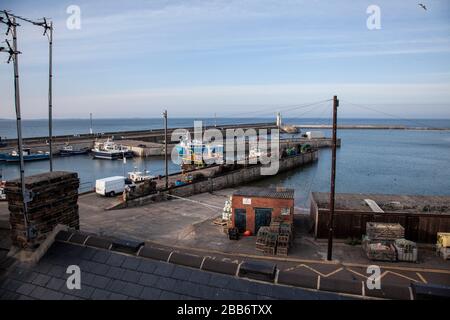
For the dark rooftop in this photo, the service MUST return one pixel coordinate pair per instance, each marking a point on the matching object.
(278, 193)
(113, 275)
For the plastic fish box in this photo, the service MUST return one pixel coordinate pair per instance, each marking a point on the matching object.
(406, 250)
(443, 239)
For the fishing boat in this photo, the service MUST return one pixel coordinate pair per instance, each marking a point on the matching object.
(110, 150)
(139, 176)
(69, 150)
(198, 152)
(27, 156)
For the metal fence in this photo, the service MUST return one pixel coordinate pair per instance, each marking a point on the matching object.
(85, 187)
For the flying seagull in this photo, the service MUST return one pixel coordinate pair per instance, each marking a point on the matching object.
(423, 6)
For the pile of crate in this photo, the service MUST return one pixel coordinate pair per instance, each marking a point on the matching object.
(384, 231)
(51, 200)
(276, 239)
(386, 242)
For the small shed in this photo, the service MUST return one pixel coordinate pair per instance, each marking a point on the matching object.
(254, 207)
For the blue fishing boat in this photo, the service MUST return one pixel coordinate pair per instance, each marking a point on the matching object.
(27, 156)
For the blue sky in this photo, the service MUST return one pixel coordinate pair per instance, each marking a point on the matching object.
(135, 58)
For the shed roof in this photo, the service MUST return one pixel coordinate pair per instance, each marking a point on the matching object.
(277, 193)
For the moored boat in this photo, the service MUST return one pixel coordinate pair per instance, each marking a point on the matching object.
(69, 150)
(199, 153)
(27, 156)
(110, 151)
(139, 176)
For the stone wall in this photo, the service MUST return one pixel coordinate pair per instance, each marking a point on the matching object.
(53, 201)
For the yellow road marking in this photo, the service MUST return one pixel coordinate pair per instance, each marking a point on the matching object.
(357, 273)
(390, 272)
(398, 275)
(314, 270)
(334, 262)
(421, 277)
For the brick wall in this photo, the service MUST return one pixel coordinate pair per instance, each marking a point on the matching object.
(54, 197)
(275, 204)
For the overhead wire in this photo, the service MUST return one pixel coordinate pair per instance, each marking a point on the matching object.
(316, 168)
(271, 110)
(365, 107)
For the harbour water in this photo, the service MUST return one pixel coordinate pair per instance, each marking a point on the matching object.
(369, 161)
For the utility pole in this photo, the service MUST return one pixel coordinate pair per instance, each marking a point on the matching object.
(50, 93)
(165, 150)
(13, 55)
(47, 27)
(333, 180)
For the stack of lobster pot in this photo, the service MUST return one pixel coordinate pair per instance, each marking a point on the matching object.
(378, 243)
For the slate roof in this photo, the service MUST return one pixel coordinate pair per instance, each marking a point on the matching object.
(277, 193)
(108, 274)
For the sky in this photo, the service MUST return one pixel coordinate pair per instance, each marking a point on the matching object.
(200, 58)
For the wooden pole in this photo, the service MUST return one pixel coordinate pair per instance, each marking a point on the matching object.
(50, 95)
(25, 195)
(333, 180)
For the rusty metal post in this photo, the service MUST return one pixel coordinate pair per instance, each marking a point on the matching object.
(333, 180)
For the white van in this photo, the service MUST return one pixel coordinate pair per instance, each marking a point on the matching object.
(110, 186)
(315, 135)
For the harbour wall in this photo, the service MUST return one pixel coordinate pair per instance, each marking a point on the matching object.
(151, 135)
(226, 180)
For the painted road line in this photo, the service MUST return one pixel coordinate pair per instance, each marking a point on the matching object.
(421, 277)
(398, 275)
(363, 290)
(357, 273)
(314, 270)
(334, 262)
(411, 295)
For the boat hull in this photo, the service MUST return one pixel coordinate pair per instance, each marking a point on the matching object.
(32, 157)
(63, 153)
(111, 155)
